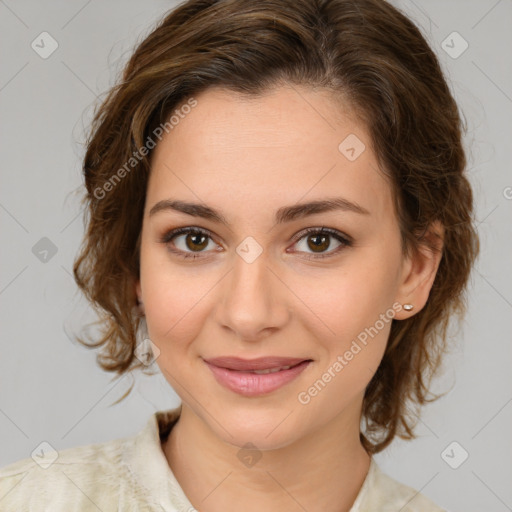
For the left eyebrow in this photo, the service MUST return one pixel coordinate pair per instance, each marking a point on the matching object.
(282, 215)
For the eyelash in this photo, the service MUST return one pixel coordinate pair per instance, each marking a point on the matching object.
(340, 237)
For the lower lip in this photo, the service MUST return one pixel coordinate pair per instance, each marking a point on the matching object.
(253, 384)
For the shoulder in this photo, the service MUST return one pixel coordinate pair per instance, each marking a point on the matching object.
(90, 476)
(129, 474)
(386, 494)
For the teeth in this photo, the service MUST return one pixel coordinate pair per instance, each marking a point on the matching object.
(270, 370)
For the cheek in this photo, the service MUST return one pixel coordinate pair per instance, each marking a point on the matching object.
(355, 306)
(352, 298)
(174, 304)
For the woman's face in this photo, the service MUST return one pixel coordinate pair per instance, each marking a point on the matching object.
(259, 285)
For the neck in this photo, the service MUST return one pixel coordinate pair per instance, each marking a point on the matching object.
(322, 471)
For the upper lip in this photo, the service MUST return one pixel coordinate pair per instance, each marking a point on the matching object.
(261, 363)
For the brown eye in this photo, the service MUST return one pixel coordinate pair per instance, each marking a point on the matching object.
(186, 241)
(196, 241)
(317, 241)
(190, 242)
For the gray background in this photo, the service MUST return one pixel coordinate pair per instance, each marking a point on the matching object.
(51, 388)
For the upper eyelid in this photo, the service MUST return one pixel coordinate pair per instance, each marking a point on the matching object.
(320, 229)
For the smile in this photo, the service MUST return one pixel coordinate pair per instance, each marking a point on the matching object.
(257, 376)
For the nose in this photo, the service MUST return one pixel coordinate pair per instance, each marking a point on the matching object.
(254, 300)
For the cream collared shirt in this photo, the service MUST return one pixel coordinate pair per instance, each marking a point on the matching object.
(132, 475)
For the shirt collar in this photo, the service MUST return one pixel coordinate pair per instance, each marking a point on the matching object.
(144, 457)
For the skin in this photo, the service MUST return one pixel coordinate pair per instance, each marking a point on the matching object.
(247, 158)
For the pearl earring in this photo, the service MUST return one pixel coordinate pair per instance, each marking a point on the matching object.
(408, 307)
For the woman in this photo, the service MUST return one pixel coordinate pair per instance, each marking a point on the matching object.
(277, 200)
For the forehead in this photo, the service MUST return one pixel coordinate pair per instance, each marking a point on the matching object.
(288, 145)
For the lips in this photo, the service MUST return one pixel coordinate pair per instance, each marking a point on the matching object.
(254, 377)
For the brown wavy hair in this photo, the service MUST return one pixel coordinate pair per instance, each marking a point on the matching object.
(365, 52)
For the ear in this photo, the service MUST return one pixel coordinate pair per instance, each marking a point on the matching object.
(138, 292)
(419, 270)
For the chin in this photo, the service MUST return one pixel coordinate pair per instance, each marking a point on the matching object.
(265, 427)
